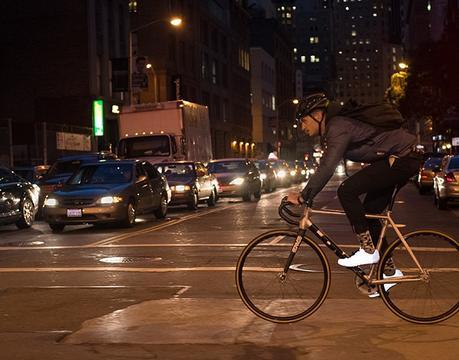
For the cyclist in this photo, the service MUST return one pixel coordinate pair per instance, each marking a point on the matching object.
(393, 161)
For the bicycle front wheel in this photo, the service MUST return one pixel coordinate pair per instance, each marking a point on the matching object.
(435, 296)
(277, 296)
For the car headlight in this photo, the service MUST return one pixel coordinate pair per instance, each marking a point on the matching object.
(181, 188)
(281, 174)
(312, 171)
(237, 181)
(303, 172)
(262, 176)
(292, 173)
(108, 200)
(51, 202)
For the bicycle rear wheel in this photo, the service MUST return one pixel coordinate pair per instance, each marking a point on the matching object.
(280, 299)
(428, 301)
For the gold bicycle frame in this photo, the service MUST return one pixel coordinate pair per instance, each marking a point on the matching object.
(387, 221)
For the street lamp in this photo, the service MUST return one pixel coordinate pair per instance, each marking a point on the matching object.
(174, 21)
(291, 101)
(403, 66)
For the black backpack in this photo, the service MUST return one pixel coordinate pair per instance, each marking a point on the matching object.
(383, 116)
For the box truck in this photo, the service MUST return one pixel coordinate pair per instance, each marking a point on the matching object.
(165, 131)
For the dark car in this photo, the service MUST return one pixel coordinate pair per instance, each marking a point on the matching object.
(32, 173)
(236, 177)
(283, 172)
(190, 183)
(298, 171)
(108, 192)
(425, 177)
(267, 175)
(18, 199)
(65, 166)
(446, 181)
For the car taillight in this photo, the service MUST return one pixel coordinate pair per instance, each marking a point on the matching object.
(449, 178)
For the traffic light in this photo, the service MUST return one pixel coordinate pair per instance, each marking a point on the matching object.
(98, 117)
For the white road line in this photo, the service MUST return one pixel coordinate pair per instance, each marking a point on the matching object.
(276, 240)
(164, 270)
(114, 246)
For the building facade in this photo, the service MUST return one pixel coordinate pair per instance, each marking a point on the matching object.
(56, 60)
(206, 60)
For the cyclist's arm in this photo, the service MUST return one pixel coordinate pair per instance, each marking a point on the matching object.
(337, 143)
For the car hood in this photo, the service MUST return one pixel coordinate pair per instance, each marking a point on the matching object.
(91, 190)
(55, 180)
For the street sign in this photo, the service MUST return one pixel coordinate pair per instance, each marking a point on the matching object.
(455, 141)
(98, 117)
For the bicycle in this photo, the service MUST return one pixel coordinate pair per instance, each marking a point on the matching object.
(283, 276)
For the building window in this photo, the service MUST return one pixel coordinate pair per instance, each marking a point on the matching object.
(132, 6)
(314, 40)
(314, 58)
(303, 58)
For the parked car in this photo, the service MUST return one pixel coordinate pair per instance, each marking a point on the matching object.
(113, 191)
(425, 177)
(284, 177)
(18, 199)
(32, 173)
(190, 183)
(236, 177)
(446, 181)
(64, 167)
(267, 175)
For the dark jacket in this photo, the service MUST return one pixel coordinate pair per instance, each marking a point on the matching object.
(356, 141)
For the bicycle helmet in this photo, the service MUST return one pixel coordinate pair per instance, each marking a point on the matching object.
(310, 103)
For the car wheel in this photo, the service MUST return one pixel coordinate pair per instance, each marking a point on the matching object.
(27, 214)
(212, 198)
(193, 204)
(160, 213)
(57, 228)
(247, 196)
(129, 218)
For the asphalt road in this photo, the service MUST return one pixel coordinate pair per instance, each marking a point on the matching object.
(165, 290)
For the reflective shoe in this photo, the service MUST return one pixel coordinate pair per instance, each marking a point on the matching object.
(398, 273)
(361, 257)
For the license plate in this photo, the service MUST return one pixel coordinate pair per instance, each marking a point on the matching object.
(74, 213)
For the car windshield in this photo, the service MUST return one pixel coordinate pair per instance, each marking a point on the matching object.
(102, 174)
(64, 167)
(7, 176)
(431, 163)
(227, 167)
(261, 165)
(175, 169)
(454, 163)
(145, 146)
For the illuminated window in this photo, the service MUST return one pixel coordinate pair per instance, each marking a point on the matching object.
(132, 6)
(314, 40)
(354, 33)
(314, 58)
(303, 58)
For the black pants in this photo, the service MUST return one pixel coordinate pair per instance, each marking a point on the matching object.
(378, 182)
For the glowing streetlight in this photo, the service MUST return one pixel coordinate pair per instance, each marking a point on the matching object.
(176, 21)
(403, 66)
(295, 101)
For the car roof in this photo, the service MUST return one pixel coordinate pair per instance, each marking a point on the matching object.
(228, 159)
(87, 156)
(113, 161)
(176, 162)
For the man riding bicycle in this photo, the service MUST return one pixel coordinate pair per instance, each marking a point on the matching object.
(393, 161)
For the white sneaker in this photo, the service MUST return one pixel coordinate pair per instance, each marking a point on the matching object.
(361, 257)
(398, 273)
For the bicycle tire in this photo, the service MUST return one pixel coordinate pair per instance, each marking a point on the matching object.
(430, 301)
(279, 300)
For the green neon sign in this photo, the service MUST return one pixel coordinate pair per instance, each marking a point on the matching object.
(98, 117)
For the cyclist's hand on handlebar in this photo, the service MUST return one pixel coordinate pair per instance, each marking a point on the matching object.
(292, 198)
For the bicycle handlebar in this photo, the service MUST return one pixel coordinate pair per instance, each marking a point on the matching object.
(287, 214)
